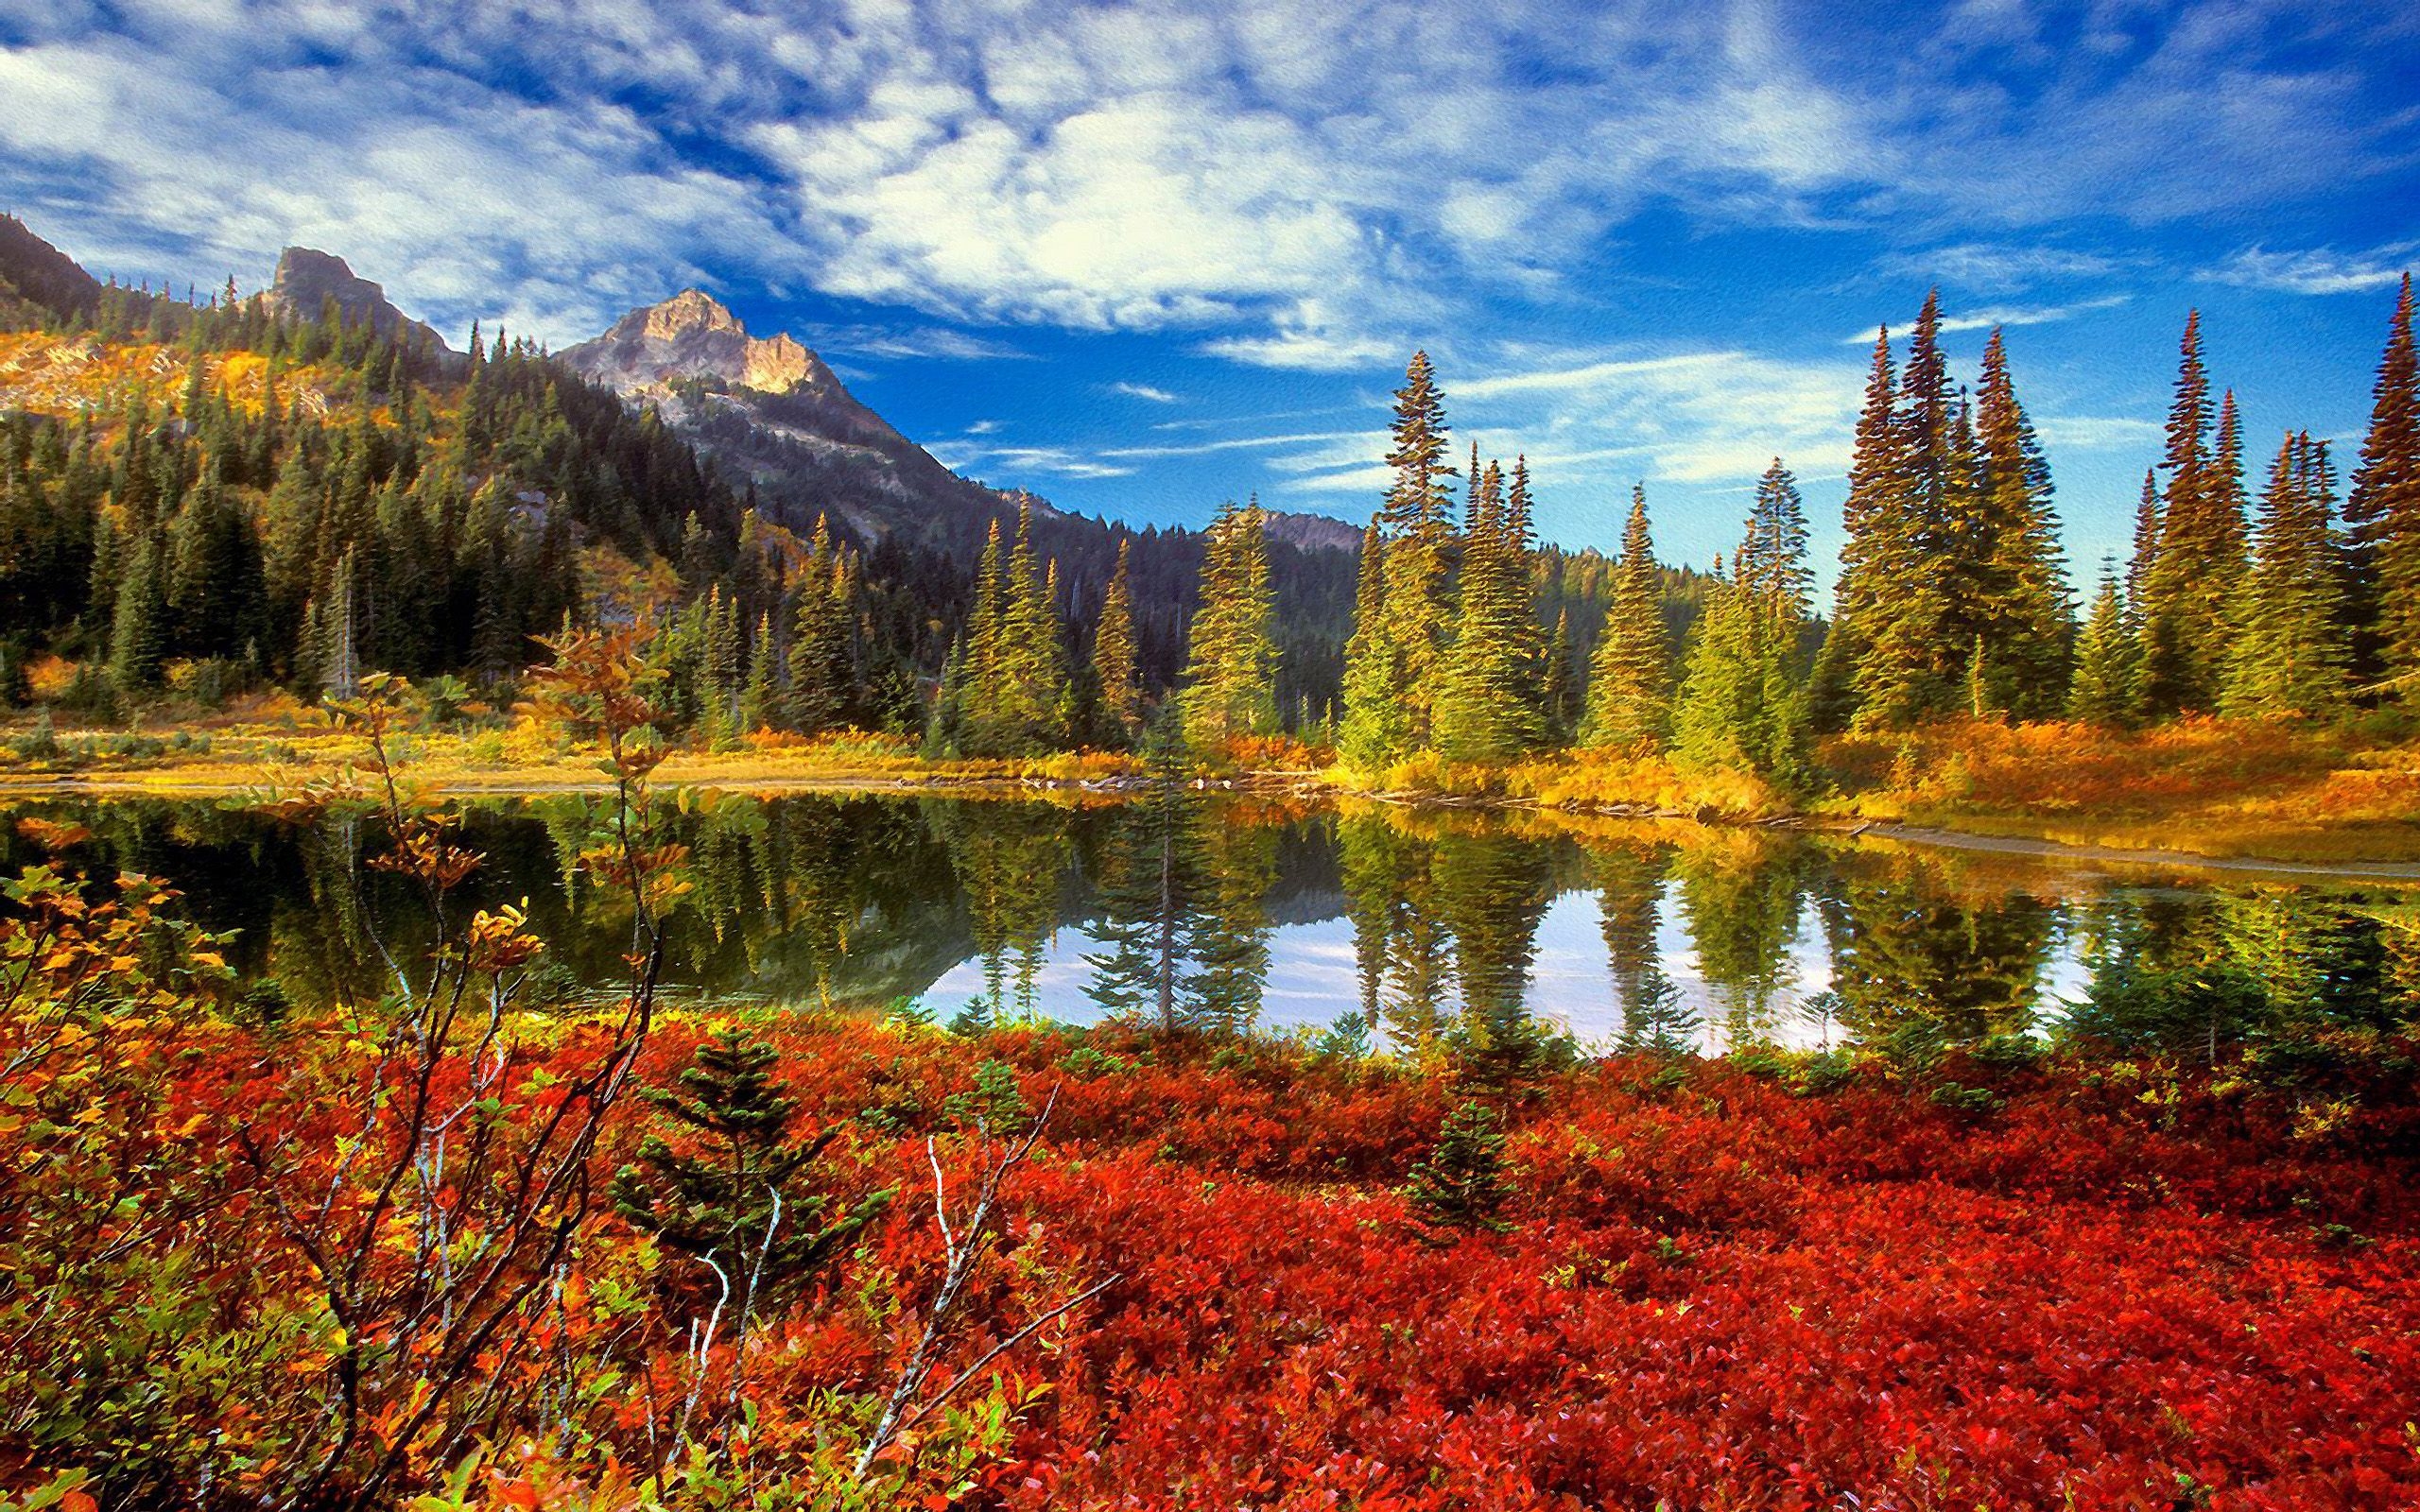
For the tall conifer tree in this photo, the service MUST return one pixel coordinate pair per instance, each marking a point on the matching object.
(1630, 674)
(1488, 706)
(2383, 518)
(2107, 686)
(1231, 678)
(1116, 667)
(2191, 584)
(1375, 728)
(2025, 619)
(2289, 656)
(1418, 516)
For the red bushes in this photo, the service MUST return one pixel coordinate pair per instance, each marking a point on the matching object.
(1722, 1295)
(2122, 1289)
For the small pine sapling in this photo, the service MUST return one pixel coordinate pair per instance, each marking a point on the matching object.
(1461, 1185)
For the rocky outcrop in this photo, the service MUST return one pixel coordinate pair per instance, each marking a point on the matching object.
(1311, 532)
(308, 280)
(693, 334)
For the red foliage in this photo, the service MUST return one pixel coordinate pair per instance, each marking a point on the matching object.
(1718, 1294)
(1724, 1297)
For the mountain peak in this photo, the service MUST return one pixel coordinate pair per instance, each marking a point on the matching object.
(690, 310)
(307, 279)
(693, 334)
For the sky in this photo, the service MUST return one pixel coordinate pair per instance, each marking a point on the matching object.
(1140, 258)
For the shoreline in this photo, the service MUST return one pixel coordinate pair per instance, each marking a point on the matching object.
(196, 782)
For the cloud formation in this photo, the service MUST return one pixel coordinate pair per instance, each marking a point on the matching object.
(2318, 270)
(1307, 184)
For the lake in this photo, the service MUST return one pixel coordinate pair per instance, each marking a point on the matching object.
(1246, 915)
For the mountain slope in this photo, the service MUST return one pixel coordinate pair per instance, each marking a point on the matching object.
(35, 273)
(772, 413)
(308, 280)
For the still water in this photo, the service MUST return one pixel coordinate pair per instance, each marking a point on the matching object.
(1678, 936)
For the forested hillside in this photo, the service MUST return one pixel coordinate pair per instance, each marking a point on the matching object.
(204, 497)
(200, 497)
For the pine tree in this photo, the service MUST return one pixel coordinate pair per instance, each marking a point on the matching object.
(2382, 517)
(1376, 727)
(1899, 610)
(1461, 1184)
(1487, 706)
(760, 701)
(2146, 547)
(1231, 678)
(2289, 655)
(1772, 565)
(1740, 706)
(1630, 673)
(1419, 526)
(1031, 663)
(741, 1205)
(1116, 665)
(139, 625)
(820, 672)
(2191, 584)
(1555, 685)
(2025, 619)
(976, 705)
(2107, 687)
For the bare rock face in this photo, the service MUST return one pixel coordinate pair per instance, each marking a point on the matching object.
(307, 279)
(1311, 532)
(694, 336)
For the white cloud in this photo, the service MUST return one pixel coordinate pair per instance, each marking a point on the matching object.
(1998, 268)
(915, 343)
(1011, 465)
(2092, 433)
(2317, 270)
(1986, 320)
(1302, 185)
(1144, 391)
(1234, 443)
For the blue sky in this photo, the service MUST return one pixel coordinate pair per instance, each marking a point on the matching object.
(1143, 257)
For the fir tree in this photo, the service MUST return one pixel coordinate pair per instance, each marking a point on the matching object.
(138, 627)
(1487, 706)
(1231, 678)
(1418, 523)
(1630, 673)
(2024, 617)
(2289, 655)
(1376, 727)
(743, 1204)
(1461, 1184)
(760, 701)
(2191, 584)
(2107, 685)
(1556, 682)
(1742, 701)
(1116, 670)
(820, 677)
(1772, 565)
(1899, 611)
(1740, 706)
(2383, 518)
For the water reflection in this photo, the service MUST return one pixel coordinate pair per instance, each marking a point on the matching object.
(1182, 909)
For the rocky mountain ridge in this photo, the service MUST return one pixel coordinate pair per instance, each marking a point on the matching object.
(307, 279)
